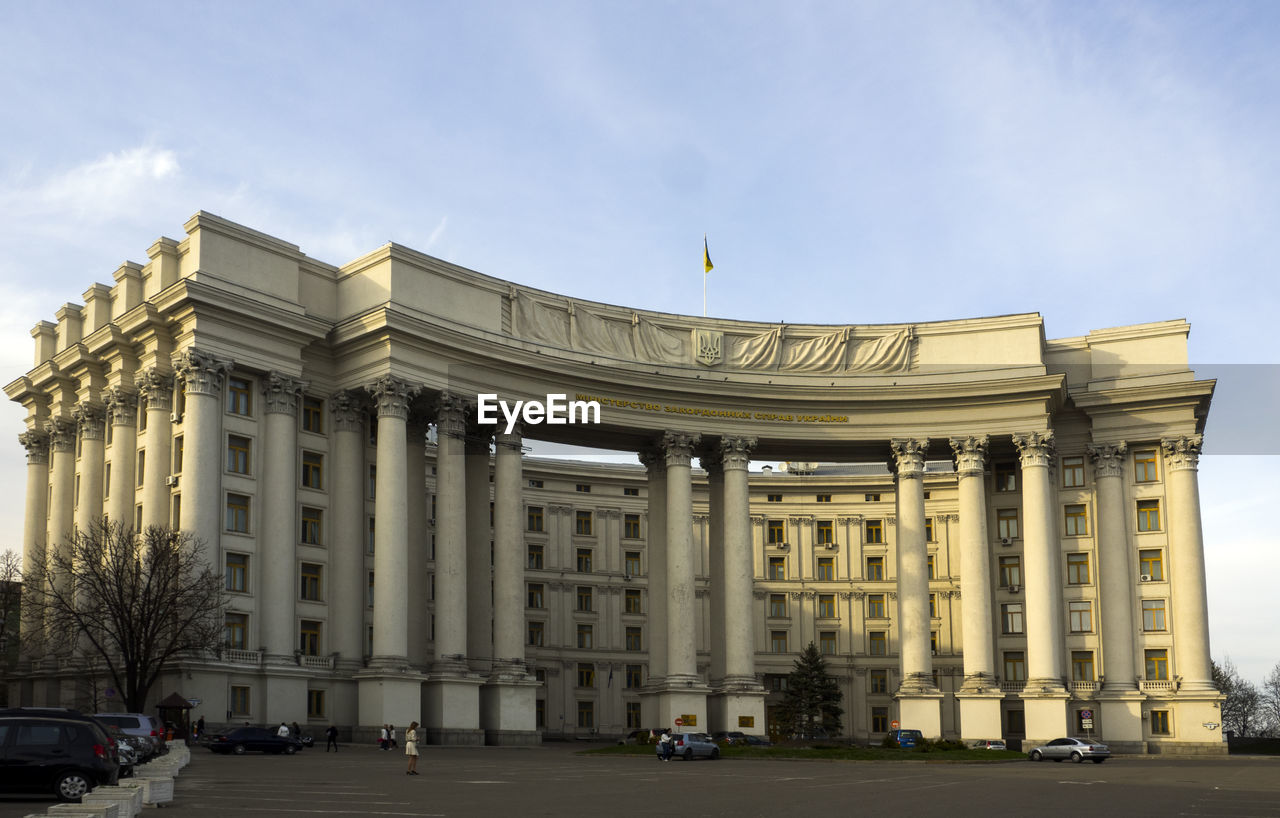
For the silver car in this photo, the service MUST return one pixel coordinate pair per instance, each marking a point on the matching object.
(692, 745)
(1076, 749)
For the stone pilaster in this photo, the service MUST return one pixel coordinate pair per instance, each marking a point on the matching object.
(479, 573)
(1186, 563)
(90, 419)
(34, 525)
(278, 518)
(346, 528)
(156, 387)
(655, 465)
(122, 414)
(391, 537)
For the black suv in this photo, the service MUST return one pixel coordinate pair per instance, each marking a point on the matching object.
(49, 749)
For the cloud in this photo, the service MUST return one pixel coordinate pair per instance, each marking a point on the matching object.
(101, 187)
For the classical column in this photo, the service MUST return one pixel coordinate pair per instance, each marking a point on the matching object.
(346, 528)
(35, 521)
(62, 444)
(122, 414)
(1186, 564)
(744, 695)
(157, 388)
(391, 536)
(277, 532)
(479, 572)
(202, 375)
(682, 664)
(420, 533)
(90, 421)
(656, 471)
(711, 462)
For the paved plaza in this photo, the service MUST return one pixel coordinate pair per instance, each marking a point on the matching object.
(553, 780)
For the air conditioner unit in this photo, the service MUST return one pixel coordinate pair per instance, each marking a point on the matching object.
(175, 417)
(831, 546)
(1013, 589)
(1006, 541)
(171, 480)
(783, 546)
(1146, 577)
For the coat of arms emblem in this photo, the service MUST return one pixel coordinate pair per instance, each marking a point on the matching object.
(708, 346)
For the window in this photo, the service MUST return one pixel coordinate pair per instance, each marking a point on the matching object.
(535, 556)
(238, 513)
(875, 606)
(1010, 571)
(1072, 472)
(878, 681)
(633, 714)
(1011, 620)
(777, 568)
(1148, 515)
(778, 641)
(875, 568)
(631, 563)
(239, 700)
(312, 470)
(586, 714)
(824, 533)
(582, 487)
(1153, 615)
(309, 637)
(368, 593)
(239, 396)
(1081, 616)
(584, 597)
(777, 605)
(777, 532)
(1077, 520)
(827, 643)
(373, 481)
(584, 560)
(632, 601)
(540, 713)
(179, 448)
(536, 595)
(106, 480)
(826, 568)
(311, 576)
(824, 498)
(175, 517)
(930, 564)
(370, 536)
(140, 469)
(1144, 466)
(234, 628)
(315, 704)
(773, 498)
(237, 571)
(584, 523)
(537, 633)
(535, 518)
(879, 719)
(1160, 722)
(1082, 666)
(312, 525)
(631, 526)
(238, 454)
(874, 531)
(1157, 664)
(826, 606)
(634, 676)
(775, 683)
(634, 639)
(871, 498)
(1015, 666)
(933, 606)
(1006, 475)
(1007, 523)
(586, 675)
(630, 492)
(933, 648)
(877, 643)
(584, 636)
(1078, 569)
(313, 415)
(1151, 564)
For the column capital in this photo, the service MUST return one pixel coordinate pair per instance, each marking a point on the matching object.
(1108, 458)
(971, 454)
(477, 438)
(1182, 453)
(651, 458)
(854, 519)
(735, 452)
(1035, 448)
(155, 387)
(89, 418)
(711, 461)
(451, 415)
(908, 454)
(122, 405)
(201, 372)
(392, 396)
(678, 447)
(513, 439)
(348, 408)
(62, 433)
(37, 446)
(280, 393)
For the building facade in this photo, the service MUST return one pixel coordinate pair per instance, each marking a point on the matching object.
(987, 533)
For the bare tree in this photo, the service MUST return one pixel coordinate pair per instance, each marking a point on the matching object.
(130, 601)
(1240, 710)
(10, 599)
(1271, 701)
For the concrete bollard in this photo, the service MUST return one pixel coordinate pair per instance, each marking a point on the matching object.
(129, 799)
(155, 791)
(108, 810)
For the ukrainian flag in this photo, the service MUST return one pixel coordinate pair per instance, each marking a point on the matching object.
(707, 266)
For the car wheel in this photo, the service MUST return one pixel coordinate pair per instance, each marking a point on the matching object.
(1035, 755)
(1077, 758)
(238, 749)
(71, 786)
(715, 754)
(290, 750)
(688, 754)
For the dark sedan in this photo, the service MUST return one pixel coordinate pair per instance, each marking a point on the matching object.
(253, 739)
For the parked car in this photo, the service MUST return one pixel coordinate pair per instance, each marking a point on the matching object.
(757, 741)
(1076, 749)
(126, 750)
(55, 750)
(253, 739)
(906, 739)
(729, 737)
(138, 724)
(641, 736)
(988, 744)
(692, 745)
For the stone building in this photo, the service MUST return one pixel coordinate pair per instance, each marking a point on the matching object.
(987, 532)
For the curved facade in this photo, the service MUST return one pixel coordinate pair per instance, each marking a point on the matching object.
(988, 532)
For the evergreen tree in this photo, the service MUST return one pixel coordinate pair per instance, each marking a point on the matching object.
(812, 703)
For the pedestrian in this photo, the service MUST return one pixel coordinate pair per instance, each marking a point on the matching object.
(283, 730)
(200, 727)
(411, 748)
(295, 731)
(332, 735)
(667, 745)
(391, 734)
(384, 738)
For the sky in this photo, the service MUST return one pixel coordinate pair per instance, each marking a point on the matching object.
(1101, 163)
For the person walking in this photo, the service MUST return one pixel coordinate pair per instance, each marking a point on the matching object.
(391, 734)
(667, 745)
(283, 730)
(332, 735)
(411, 748)
(384, 738)
(295, 731)
(200, 727)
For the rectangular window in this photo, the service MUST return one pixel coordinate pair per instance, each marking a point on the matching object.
(537, 633)
(584, 560)
(635, 640)
(536, 595)
(239, 700)
(631, 563)
(586, 714)
(826, 568)
(535, 518)
(773, 498)
(871, 498)
(933, 606)
(1010, 571)
(875, 568)
(315, 704)
(1153, 615)
(373, 482)
(1082, 666)
(309, 637)
(1078, 569)
(824, 498)
(234, 628)
(179, 449)
(238, 513)
(1011, 621)
(874, 531)
(632, 601)
(583, 523)
(1006, 475)
(777, 568)
(586, 675)
(175, 517)
(875, 606)
(583, 487)
(777, 532)
(313, 415)
(827, 643)
(1148, 515)
(535, 484)
(312, 470)
(535, 557)
(1157, 664)
(368, 593)
(631, 526)
(1015, 666)
(140, 469)
(928, 530)
(1007, 523)
(778, 641)
(584, 597)
(584, 636)
(777, 605)
(312, 525)
(1144, 466)
(824, 533)
(826, 606)
(239, 396)
(1077, 520)
(1151, 564)
(930, 564)
(877, 643)
(311, 577)
(631, 492)
(633, 715)
(1160, 723)
(238, 454)
(634, 676)
(879, 719)
(237, 572)
(878, 681)
(1072, 472)
(370, 536)
(1081, 616)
